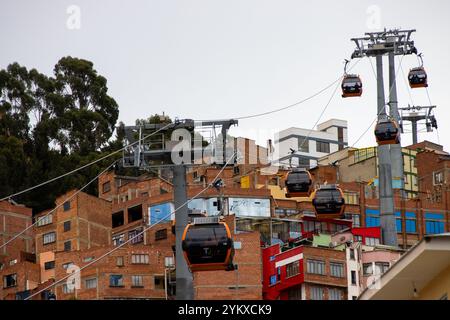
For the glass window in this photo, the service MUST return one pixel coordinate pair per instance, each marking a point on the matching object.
(411, 226)
(91, 283)
(334, 294)
(119, 261)
(44, 220)
(357, 238)
(161, 234)
(88, 259)
(139, 259)
(66, 226)
(67, 246)
(337, 269)
(10, 280)
(136, 236)
(106, 187)
(66, 289)
(292, 269)
(137, 281)
(159, 282)
(315, 266)
(49, 265)
(303, 144)
(323, 147)
(116, 280)
(66, 206)
(118, 240)
(367, 269)
(67, 265)
(352, 254)
(372, 241)
(316, 293)
(49, 237)
(381, 267)
(273, 279)
(353, 276)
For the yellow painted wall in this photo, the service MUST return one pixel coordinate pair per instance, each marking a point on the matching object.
(438, 287)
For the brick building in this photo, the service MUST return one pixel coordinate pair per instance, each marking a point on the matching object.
(15, 218)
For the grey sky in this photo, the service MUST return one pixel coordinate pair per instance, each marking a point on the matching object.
(208, 59)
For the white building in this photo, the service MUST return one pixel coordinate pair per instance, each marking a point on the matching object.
(310, 145)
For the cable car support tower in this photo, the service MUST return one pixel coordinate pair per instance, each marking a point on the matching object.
(390, 160)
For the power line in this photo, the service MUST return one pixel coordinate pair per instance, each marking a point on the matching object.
(137, 235)
(84, 166)
(58, 206)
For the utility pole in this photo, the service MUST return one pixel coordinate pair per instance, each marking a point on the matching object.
(379, 44)
(185, 288)
(395, 149)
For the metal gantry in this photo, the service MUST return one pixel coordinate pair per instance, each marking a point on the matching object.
(390, 159)
(415, 115)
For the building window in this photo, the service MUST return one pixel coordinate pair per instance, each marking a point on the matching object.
(398, 222)
(438, 178)
(295, 293)
(67, 265)
(67, 246)
(10, 280)
(88, 259)
(316, 293)
(410, 222)
(137, 281)
(323, 147)
(356, 219)
(66, 289)
(303, 162)
(352, 254)
(49, 265)
(334, 294)
(159, 282)
(292, 269)
(372, 241)
(303, 144)
(434, 223)
(357, 238)
(119, 261)
(135, 213)
(337, 269)
(139, 259)
(353, 275)
(273, 279)
(66, 226)
(381, 267)
(136, 236)
(117, 219)
(161, 234)
(66, 206)
(118, 239)
(44, 220)
(106, 187)
(315, 266)
(49, 238)
(91, 283)
(372, 218)
(116, 280)
(367, 269)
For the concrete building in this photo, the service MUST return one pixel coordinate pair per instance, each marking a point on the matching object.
(309, 146)
(422, 273)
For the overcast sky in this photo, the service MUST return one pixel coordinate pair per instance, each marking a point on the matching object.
(205, 59)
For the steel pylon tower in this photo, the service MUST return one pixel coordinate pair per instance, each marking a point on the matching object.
(390, 159)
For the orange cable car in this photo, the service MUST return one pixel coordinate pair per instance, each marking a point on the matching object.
(351, 86)
(387, 132)
(298, 183)
(207, 245)
(328, 202)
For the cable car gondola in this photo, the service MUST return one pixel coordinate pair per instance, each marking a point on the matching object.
(387, 132)
(351, 84)
(207, 245)
(417, 77)
(298, 183)
(328, 202)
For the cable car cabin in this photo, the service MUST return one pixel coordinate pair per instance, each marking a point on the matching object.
(387, 132)
(417, 78)
(351, 86)
(298, 183)
(328, 202)
(207, 245)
